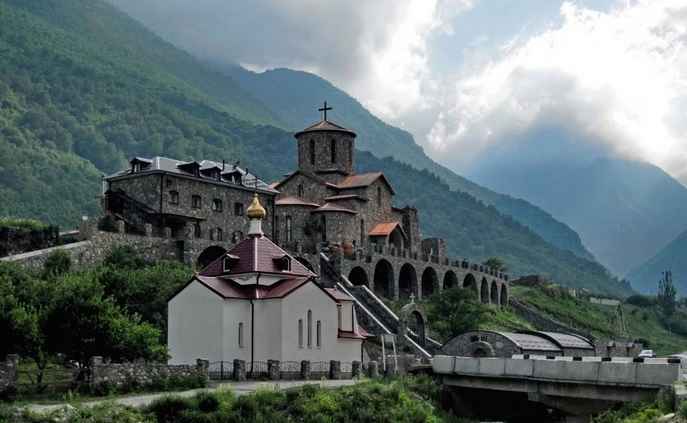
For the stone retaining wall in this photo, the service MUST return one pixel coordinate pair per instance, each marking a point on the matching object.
(142, 374)
(8, 373)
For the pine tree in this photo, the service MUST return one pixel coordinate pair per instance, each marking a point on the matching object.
(667, 294)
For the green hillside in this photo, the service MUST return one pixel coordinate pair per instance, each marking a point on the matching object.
(601, 321)
(76, 104)
(672, 257)
(294, 95)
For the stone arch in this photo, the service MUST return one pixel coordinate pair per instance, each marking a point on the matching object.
(384, 279)
(306, 263)
(412, 317)
(484, 291)
(209, 255)
(450, 280)
(358, 276)
(504, 295)
(407, 281)
(494, 294)
(430, 282)
(471, 283)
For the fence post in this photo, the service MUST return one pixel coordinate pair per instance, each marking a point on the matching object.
(305, 370)
(356, 368)
(334, 369)
(273, 369)
(373, 369)
(203, 368)
(239, 370)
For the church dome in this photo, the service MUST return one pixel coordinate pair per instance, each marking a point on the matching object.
(255, 210)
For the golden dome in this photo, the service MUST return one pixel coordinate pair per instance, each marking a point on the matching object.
(255, 210)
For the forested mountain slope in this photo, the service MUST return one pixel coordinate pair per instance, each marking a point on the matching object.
(75, 105)
(294, 97)
(672, 257)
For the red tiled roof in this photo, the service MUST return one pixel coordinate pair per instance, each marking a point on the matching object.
(255, 254)
(362, 180)
(294, 201)
(338, 295)
(330, 208)
(226, 288)
(325, 125)
(384, 229)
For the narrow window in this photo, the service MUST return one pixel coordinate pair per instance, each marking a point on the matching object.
(240, 334)
(218, 234)
(168, 182)
(137, 167)
(238, 209)
(362, 232)
(217, 205)
(300, 190)
(318, 334)
(312, 152)
(197, 233)
(300, 333)
(324, 228)
(196, 202)
(309, 328)
(332, 150)
(276, 229)
(339, 316)
(289, 229)
(173, 197)
(379, 196)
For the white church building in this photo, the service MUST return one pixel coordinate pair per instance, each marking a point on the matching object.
(258, 303)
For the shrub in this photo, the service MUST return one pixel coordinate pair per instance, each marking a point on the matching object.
(207, 402)
(682, 409)
(641, 301)
(57, 263)
(124, 256)
(169, 409)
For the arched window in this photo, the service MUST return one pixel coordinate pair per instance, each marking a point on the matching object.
(300, 190)
(276, 229)
(173, 197)
(362, 232)
(218, 234)
(318, 334)
(300, 333)
(309, 328)
(312, 152)
(240, 334)
(379, 196)
(197, 233)
(217, 205)
(339, 309)
(332, 150)
(196, 201)
(324, 228)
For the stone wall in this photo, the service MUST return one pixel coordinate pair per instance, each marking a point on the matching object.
(141, 373)
(17, 241)
(9, 373)
(323, 153)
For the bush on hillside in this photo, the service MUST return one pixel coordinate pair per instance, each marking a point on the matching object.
(57, 263)
(638, 300)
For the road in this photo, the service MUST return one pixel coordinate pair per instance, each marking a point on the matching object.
(239, 388)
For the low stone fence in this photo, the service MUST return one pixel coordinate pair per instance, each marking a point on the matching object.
(240, 370)
(117, 375)
(9, 374)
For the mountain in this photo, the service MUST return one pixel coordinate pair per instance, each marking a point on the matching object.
(75, 103)
(294, 96)
(624, 210)
(645, 277)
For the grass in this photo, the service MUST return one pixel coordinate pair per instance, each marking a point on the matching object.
(22, 224)
(602, 321)
(504, 319)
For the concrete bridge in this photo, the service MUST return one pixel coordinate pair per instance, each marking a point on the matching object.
(541, 389)
(392, 273)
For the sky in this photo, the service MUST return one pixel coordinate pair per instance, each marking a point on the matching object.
(464, 76)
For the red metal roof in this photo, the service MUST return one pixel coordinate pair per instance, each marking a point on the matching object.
(226, 288)
(338, 295)
(384, 229)
(294, 201)
(363, 180)
(330, 208)
(255, 255)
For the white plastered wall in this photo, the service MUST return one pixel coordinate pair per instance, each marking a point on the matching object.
(236, 311)
(194, 325)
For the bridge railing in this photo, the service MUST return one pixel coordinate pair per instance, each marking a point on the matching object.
(649, 374)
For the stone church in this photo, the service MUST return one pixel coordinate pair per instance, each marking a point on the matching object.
(325, 201)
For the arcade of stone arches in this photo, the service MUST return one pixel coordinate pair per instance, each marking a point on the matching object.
(388, 282)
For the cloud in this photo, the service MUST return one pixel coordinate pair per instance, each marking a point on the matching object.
(619, 77)
(375, 50)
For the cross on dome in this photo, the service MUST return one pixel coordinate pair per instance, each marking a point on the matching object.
(324, 109)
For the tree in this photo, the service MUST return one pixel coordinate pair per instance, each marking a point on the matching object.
(496, 264)
(667, 294)
(454, 311)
